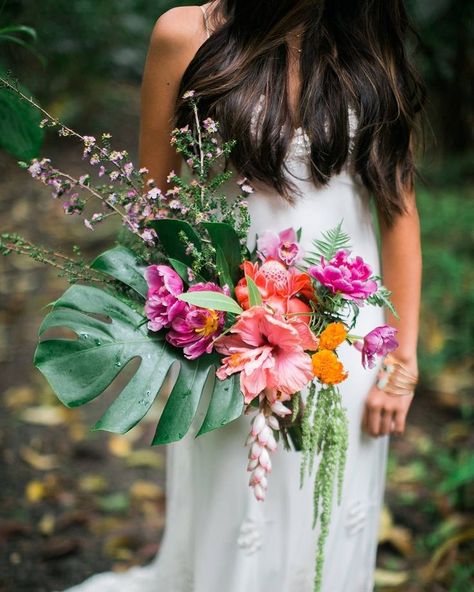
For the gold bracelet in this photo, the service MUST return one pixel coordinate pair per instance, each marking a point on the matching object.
(395, 379)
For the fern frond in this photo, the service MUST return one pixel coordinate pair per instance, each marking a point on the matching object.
(382, 298)
(330, 242)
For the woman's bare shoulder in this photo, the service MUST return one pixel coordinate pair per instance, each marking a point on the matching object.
(179, 29)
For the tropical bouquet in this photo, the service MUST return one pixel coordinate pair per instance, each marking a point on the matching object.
(266, 323)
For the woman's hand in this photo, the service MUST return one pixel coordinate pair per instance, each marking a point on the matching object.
(385, 414)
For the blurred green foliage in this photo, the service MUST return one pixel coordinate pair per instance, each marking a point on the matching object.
(447, 220)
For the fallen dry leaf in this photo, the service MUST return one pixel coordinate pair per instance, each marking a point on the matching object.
(18, 397)
(93, 483)
(119, 446)
(385, 578)
(47, 524)
(46, 415)
(41, 462)
(146, 458)
(120, 546)
(143, 490)
(401, 538)
(35, 491)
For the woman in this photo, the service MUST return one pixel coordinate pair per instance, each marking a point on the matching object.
(323, 102)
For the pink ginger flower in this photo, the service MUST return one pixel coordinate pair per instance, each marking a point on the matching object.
(378, 342)
(262, 442)
(349, 277)
(162, 305)
(268, 353)
(283, 246)
(194, 328)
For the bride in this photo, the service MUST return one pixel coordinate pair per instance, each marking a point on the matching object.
(323, 102)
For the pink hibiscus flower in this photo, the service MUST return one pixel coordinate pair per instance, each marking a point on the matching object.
(269, 354)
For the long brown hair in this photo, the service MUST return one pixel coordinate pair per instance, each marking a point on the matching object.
(353, 55)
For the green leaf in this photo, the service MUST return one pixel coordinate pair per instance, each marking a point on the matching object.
(211, 300)
(223, 269)
(20, 134)
(109, 334)
(183, 401)
(28, 31)
(223, 236)
(226, 404)
(122, 264)
(255, 298)
(168, 234)
(183, 271)
(382, 298)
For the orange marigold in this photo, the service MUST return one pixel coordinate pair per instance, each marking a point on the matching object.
(327, 367)
(332, 336)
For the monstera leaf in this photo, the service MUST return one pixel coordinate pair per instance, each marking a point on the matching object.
(109, 333)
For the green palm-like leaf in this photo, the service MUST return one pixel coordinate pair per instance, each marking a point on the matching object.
(109, 334)
(327, 246)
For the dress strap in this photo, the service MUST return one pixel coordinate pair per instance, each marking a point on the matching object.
(206, 24)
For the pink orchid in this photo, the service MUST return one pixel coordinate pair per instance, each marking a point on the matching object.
(349, 277)
(283, 246)
(268, 353)
(162, 305)
(378, 342)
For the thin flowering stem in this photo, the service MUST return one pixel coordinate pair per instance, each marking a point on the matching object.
(96, 194)
(201, 152)
(71, 267)
(70, 131)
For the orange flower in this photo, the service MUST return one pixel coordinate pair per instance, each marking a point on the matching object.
(286, 291)
(327, 367)
(332, 336)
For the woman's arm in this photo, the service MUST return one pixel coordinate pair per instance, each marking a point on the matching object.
(176, 37)
(401, 269)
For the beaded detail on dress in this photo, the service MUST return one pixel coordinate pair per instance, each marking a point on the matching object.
(300, 145)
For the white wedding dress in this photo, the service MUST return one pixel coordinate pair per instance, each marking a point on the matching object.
(218, 538)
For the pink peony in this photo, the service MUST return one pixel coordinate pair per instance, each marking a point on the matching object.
(194, 329)
(379, 342)
(162, 305)
(349, 277)
(268, 353)
(283, 246)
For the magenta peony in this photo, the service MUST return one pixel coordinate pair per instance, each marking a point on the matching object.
(379, 342)
(194, 329)
(162, 305)
(348, 277)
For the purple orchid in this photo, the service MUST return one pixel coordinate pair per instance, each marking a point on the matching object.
(349, 277)
(379, 342)
(283, 246)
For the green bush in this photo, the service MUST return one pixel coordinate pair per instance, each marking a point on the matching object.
(447, 220)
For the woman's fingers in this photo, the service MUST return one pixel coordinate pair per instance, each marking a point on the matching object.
(374, 419)
(399, 423)
(386, 422)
